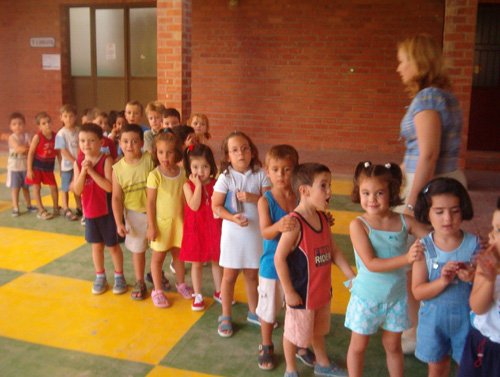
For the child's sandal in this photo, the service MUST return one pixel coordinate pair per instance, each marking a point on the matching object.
(225, 328)
(265, 358)
(44, 215)
(70, 216)
(139, 292)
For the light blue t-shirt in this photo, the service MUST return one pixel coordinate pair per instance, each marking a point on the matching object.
(446, 104)
(382, 287)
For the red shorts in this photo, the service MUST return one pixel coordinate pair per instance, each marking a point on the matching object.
(42, 177)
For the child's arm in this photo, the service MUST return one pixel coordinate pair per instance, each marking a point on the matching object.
(79, 178)
(421, 287)
(18, 148)
(481, 297)
(152, 231)
(103, 182)
(286, 244)
(218, 208)
(268, 229)
(193, 198)
(339, 260)
(66, 154)
(117, 204)
(364, 249)
(31, 156)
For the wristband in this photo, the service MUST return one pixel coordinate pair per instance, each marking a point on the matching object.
(410, 207)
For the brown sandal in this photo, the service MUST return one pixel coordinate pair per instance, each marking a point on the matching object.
(266, 354)
(139, 292)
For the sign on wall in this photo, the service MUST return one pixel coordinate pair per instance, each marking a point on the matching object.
(42, 42)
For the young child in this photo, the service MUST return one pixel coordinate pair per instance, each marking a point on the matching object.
(274, 219)
(442, 280)
(303, 261)
(165, 215)
(129, 199)
(92, 181)
(185, 135)
(154, 111)
(482, 346)
(67, 143)
(41, 160)
(171, 118)
(102, 120)
(19, 144)
(199, 122)
(236, 192)
(378, 293)
(133, 114)
(201, 241)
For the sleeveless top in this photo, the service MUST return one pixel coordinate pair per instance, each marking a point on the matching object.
(488, 323)
(310, 264)
(96, 202)
(17, 161)
(45, 153)
(267, 268)
(382, 287)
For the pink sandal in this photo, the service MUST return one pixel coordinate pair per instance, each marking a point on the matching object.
(159, 299)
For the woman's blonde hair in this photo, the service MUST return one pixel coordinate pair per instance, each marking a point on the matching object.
(427, 55)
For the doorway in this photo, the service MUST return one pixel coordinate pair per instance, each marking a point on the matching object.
(112, 56)
(484, 120)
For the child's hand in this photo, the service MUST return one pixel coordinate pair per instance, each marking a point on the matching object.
(330, 218)
(29, 174)
(449, 271)
(416, 252)
(151, 233)
(195, 179)
(121, 230)
(489, 262)
(293, 299)
(240, 219)
(86, 166)
(247, 197)
(466, 272)
(287, 223)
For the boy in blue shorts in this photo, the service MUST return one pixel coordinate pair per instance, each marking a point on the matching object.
(92, 180)
(303, 259)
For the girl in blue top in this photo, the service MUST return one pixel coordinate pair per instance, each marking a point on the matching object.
(442, 280)
(378, 293)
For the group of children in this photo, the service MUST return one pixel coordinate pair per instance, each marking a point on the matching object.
(166, 193)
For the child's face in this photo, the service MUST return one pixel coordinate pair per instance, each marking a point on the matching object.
(445, 214)
(16, 125)
(170, 122)
(374, 195)
(155, 121)
(131, 144)
(200, 127)
(279, 171)
(101, 122)
(494, 235)
(200, 168)
(45, 126)
(120, 122)
(320, 192)
(89, 143)
(165, 152)
(85, 119)
(133, 114)
(68, 119)
(239, 153)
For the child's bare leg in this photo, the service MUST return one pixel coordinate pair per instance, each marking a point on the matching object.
(356, 354)
(440, 369)
(251, 282)
(266, 331)
(289, 350)
(55, 197)
(38, 198)
(65, 200)
(78, 201)
(393, 353)
(217, 276)
(98, 257)
(413, 306)
(196, 275)
(318, 344)
(180, 269)
(14, 194)
(27, 196)
(139, 261)
(157, 259)
(117, 257)
(229, 277)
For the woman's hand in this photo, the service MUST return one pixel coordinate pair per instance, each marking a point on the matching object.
(287, 223)
(247, 197)
(240, 219)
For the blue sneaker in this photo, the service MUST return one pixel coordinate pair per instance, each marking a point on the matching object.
(253, 318)
(291, 374)
(329, 371)
(120, 286)
(100, 285)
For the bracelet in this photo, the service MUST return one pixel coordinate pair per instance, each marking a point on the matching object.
(410, 207)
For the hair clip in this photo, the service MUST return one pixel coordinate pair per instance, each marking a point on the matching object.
(388, 165)
(426, 189)
(191, 147)
(367, 164)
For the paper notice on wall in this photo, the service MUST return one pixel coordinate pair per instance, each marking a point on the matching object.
(51, 62)
(111, 51)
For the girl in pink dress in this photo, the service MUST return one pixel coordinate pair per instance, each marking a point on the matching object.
(201, 240)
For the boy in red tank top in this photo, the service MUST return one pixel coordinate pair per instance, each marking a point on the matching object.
(303, 261)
